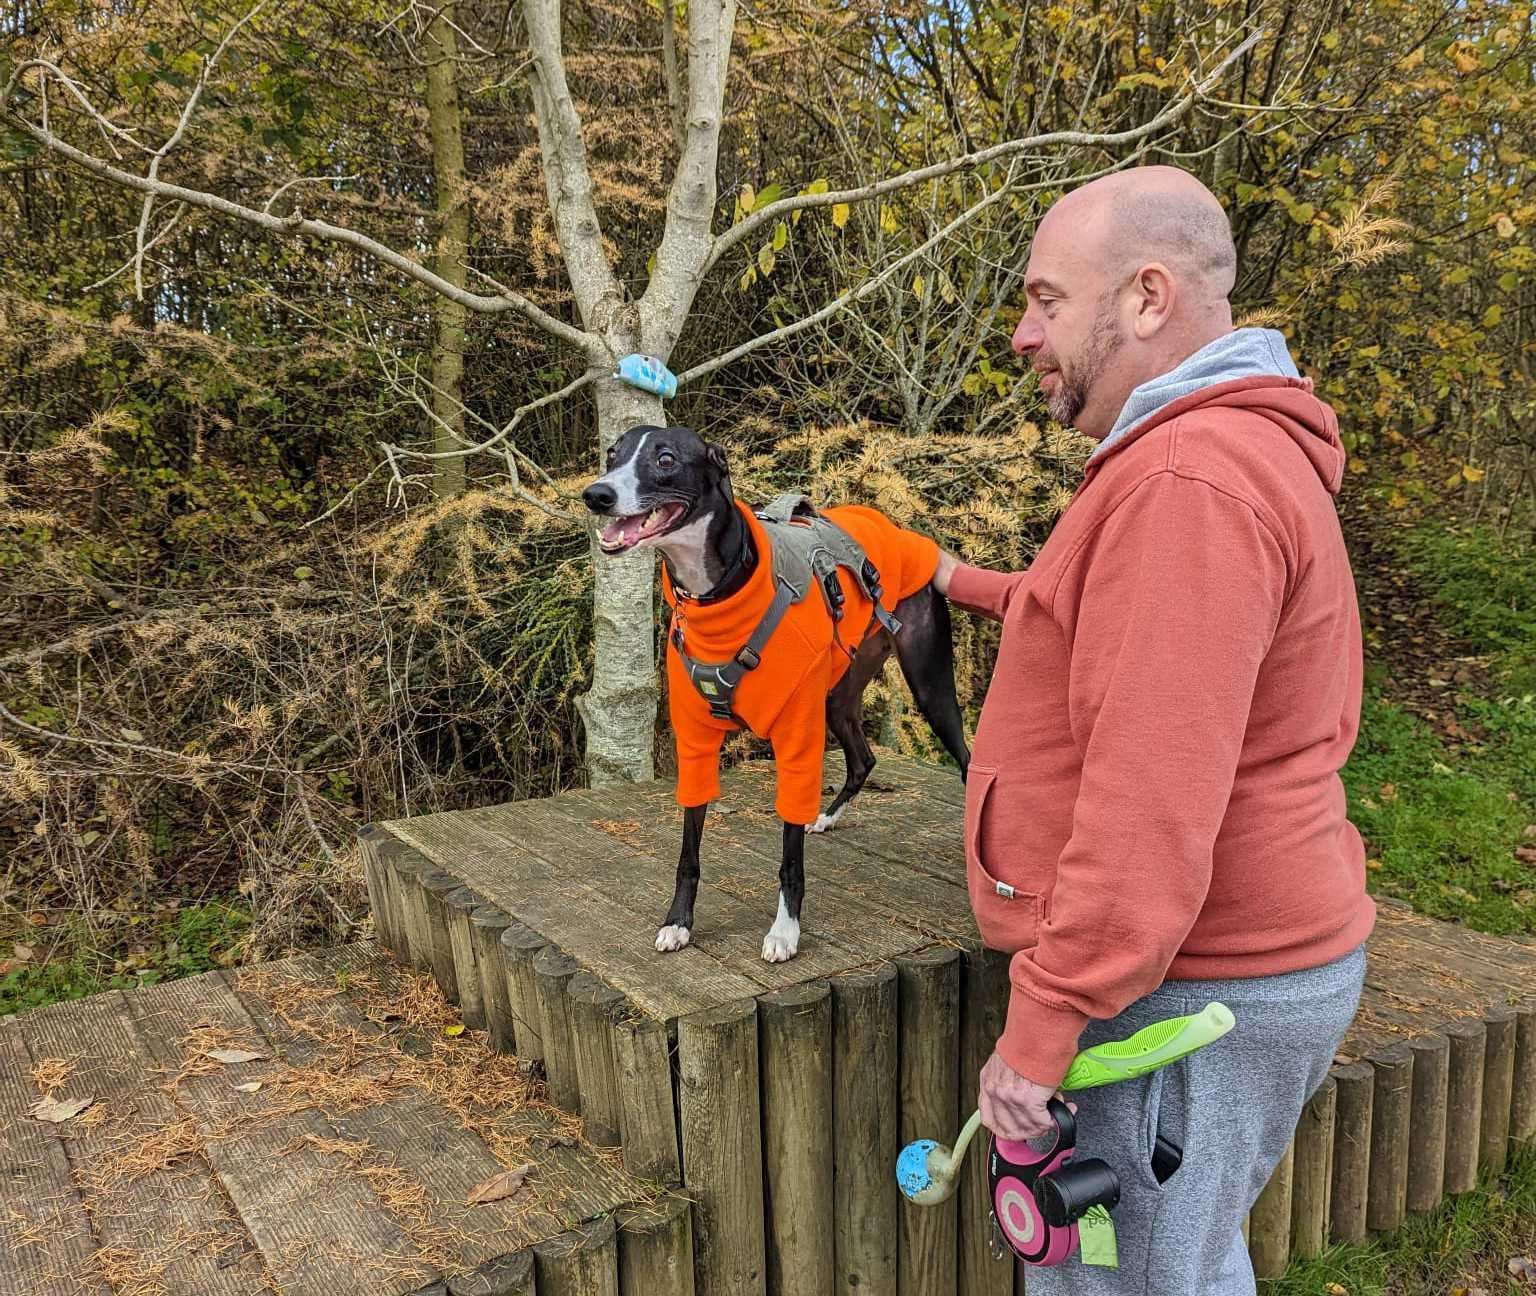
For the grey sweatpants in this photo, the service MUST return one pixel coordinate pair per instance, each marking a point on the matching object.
(1231, 1107)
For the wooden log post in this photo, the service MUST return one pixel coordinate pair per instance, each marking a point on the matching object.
(510, 1275)
(1312, 1172)
(553, 969)
(594, 1007)
(1356, 1084)
(1522, 1109)
(407, 865)
(390, 851)
(458, 905)
(369, 838)
(984, 991)
(1464, 1105)
(656, 1249)
(580, 1262)
(928, 999)
(1426, 1134)
(1498, 1088)
(1269, 1223)
(435, 886)
(796, 1048)
(486, 925)
(865, 1095)
(642, 1054)
(721, 1109)
(1391, 1125)
(519, 947)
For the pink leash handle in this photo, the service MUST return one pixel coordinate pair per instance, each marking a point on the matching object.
(1013, 1171)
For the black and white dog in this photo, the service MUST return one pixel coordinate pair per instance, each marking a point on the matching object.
(667, 488)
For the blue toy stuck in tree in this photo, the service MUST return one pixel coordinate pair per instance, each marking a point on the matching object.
(648, 374)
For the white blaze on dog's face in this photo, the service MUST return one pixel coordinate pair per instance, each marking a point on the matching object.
(655, 477)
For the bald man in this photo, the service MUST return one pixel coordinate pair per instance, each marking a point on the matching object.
(1154, 816)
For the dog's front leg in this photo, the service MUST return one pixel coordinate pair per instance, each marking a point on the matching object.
(679, 920)
(783, 939)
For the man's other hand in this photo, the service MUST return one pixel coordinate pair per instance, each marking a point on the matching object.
(947, 564)
(1011, 1106)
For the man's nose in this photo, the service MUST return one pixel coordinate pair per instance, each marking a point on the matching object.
(1027, 337)
(599, 497)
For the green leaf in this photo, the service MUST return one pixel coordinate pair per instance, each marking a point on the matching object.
(780, 236)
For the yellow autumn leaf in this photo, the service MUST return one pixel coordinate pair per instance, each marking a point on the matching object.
(840, 214)
(1357, 465)
(765, 260)
(1397, 500)
(888, 219)
(917, 285)
(1504, 226)
(748, 198)
(1473, 474)
(780, 236)
(454, 1031)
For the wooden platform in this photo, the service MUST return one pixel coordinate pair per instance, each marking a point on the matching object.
(592, 872)
(696, 1062)
(340, 1159)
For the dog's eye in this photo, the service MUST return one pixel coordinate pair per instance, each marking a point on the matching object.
(665, 459)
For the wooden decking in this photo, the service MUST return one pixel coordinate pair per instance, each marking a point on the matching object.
(341, 1160)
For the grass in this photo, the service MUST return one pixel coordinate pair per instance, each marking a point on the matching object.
(1450, 817)
(1464, 1245)
(139, 951)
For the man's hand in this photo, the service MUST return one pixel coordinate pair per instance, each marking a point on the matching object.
(947, 564)
(1011, 1106)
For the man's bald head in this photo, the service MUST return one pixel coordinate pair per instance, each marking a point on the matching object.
(1155, 214)
(1128, 276)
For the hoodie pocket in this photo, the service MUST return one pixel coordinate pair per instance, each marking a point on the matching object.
(1006, 917)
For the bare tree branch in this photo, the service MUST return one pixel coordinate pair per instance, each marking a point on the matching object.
(687, 239)
(1078, 139)
(299, 224)
(567, 177)
(181, 129)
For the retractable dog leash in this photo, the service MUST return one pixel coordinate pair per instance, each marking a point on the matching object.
(1046, 1207)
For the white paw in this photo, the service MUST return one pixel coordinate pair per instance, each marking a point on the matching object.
(671, 938)
(782, 942)
(827, 822)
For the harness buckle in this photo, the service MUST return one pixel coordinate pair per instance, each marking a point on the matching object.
(748, 658)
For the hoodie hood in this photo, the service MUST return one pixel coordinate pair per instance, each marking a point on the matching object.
(1250, 369)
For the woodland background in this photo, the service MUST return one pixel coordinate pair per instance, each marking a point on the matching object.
(238, 619)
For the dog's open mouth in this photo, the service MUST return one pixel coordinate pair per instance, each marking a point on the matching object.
(626, 532)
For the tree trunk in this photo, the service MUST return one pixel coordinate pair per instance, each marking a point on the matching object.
(441, 50)
(619, 710)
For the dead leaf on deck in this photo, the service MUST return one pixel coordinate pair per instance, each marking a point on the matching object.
(230, 1056)
(500, 1187)
(56, 1113)
(252, 1087)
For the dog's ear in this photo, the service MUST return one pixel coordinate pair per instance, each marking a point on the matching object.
(716, 456)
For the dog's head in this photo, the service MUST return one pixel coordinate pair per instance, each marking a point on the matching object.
(657, 479)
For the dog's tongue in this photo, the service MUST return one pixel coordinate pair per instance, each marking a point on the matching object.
(625, 530)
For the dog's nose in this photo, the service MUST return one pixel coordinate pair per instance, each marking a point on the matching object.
(599, 497)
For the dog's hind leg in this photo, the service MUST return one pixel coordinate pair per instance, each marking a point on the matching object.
(678, 923)
(926, 652)
(782, 942)
(844, 719)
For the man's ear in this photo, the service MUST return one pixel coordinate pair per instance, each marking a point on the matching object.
(716, 456)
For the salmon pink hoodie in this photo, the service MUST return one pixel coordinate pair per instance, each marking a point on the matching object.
(1154, 790)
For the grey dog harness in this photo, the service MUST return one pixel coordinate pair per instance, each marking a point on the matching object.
(807, 549)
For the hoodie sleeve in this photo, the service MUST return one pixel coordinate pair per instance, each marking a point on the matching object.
(982, 591)
(1169, 610)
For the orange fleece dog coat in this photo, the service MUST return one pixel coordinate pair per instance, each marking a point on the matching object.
(785, 699)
